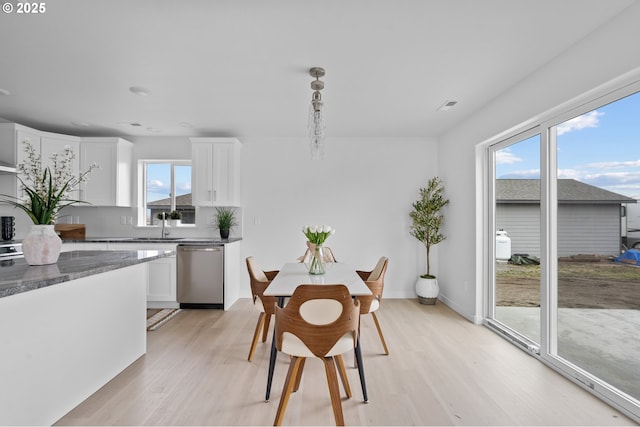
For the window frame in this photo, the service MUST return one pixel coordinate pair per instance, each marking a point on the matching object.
(142, 199)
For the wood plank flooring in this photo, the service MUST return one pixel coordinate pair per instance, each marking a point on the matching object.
(442, 370)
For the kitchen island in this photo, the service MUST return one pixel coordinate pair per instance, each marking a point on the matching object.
(68, 328)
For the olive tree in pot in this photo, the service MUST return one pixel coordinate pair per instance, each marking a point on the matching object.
(427, 222)
(225, 220)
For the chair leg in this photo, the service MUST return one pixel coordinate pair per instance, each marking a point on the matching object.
(334, 391)
(343, 375)
(256, 334)
(355, 359)
(286, 390)
(384, 344)
(265, 330)
(299, 376)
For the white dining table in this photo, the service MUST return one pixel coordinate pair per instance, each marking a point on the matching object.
(294, 274)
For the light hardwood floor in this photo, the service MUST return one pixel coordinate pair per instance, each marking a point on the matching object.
(442, 370)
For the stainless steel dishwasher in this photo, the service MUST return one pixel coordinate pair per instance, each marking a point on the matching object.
(200, 270)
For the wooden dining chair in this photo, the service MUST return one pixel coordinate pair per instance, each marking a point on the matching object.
(259, 280)
(318, 321)
(374, 280)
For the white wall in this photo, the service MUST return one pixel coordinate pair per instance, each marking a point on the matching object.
(606, 54)
(364, 188)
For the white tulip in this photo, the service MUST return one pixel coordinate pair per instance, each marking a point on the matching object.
(326, 229)
(313, 229)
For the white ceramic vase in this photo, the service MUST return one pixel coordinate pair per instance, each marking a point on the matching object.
(427, 290)
(42, 245)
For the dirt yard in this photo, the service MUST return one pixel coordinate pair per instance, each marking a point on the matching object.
(583, 282)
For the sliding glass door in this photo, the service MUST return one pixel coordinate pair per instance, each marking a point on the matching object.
(597, 292)
(516, 294)
(564, 244)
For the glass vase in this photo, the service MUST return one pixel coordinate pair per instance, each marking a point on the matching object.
(316, 263)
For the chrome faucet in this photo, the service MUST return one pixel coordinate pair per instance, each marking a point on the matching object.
(164, 232)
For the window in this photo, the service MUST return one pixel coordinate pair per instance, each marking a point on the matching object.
(167, 188)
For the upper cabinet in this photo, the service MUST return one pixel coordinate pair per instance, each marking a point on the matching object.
(110, 184)
(46, 144)
(215, 178)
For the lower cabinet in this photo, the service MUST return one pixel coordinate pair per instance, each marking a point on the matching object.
(162, 282)
(161, 288)
(68, 247)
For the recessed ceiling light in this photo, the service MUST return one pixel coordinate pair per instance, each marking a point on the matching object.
(154, 130)
(186, 124)
(140, 90)
(448, 105)
(4, 92)
(80, 124)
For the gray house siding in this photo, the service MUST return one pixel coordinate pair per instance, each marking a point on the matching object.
(582, 228)
(522, 224)
(589, 220)
(589, 229)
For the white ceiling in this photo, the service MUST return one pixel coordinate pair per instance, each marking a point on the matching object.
(240, 68)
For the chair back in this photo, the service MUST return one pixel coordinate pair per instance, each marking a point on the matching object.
(375, 282)
(259, 280)
(318, 320)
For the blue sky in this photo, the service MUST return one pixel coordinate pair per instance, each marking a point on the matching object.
(600, 148)
(159, 180)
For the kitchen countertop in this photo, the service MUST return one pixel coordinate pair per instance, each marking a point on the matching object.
(18, 277)
(176, 240)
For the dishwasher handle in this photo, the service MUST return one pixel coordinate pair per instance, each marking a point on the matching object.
(198, 249)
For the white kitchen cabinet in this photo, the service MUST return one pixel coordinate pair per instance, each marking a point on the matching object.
(83, 246)
(53, 143)
(73, 246)
(110, 184)
(215, 178)
(161, 289)
(46, 144)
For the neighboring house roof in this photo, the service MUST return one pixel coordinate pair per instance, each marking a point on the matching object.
(569, 191)
(184, 200)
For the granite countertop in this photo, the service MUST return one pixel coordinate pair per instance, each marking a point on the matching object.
(176, 240)
(18, 277)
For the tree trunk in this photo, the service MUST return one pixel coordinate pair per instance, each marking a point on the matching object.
(428, 269)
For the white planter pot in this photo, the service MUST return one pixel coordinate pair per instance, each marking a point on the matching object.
(427, 290)
(176, 222)
(42, 245)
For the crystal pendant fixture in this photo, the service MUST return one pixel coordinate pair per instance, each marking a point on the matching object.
(316, 123)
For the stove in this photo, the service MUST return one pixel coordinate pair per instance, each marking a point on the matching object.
(10, 250)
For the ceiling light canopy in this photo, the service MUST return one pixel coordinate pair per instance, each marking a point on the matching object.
(316, 123)
(140, 90)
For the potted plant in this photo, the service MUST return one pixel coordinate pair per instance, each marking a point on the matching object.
(162, 216)
(427, 222)
(224, 221)
(175, 217)
(47, 189)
